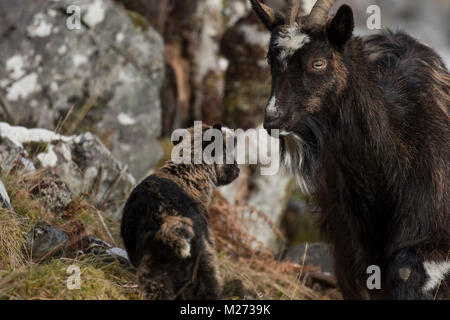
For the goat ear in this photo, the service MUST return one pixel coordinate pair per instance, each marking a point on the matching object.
(340, 29)
(268, 16)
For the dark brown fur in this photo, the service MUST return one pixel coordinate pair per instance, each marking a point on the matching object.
(370, 136)
(164, 219)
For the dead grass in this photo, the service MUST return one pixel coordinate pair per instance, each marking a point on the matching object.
(248, 269)
(12, 241)
(260, 283)
(245, 259)
(48, 281)
(21, 278)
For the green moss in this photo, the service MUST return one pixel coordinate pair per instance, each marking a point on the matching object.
(27, 209)
(49, 281)
(308, 231)
(139, 21)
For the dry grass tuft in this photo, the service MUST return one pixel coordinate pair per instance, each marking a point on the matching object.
(49, 281)
(248, 269)
(245, 259)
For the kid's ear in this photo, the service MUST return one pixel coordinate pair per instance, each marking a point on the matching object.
(217, 126)
(340, 29)
(268, 16)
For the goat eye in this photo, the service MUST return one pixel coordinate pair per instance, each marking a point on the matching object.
(319, 64)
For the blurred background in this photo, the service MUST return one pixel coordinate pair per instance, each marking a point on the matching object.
(138, 69)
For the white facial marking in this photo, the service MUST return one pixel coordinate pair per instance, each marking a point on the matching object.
(289, 42)
(272, 106)
(436, 271)
(186, 251)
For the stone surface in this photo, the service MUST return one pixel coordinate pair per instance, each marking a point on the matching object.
(81, 162)
(299, 223)
(4, 198)
(109, 70)
(247, 86)
(55, 194)
(317, 254)
(45, 242)
(267, 194)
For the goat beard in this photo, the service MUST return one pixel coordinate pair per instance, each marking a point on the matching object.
(300, 154)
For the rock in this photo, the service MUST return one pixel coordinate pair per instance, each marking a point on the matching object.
(247, 86)
(13, 156)
(191, 31)
(263, 197)
(317, 254)
(109, 69)
(298, 223)
(81, 162)
(106, 251)
(4, 198)
(54, 193)
(45, 242)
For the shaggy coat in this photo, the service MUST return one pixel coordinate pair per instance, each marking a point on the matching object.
(365, 128)
(166, 233)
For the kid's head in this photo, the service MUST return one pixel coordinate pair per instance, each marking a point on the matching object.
(208, 146)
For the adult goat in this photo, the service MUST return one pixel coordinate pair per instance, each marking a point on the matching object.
(364, 127)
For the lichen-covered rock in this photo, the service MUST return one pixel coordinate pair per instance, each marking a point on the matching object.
(4, 198)
(247, 85)
(81, 162)
(53, 193)
(46, 241)
(299, 222)
(108, 69)
(262, 196)
(316, 254)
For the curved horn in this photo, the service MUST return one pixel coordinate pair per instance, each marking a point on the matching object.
(267, 15)
(292, 13)
(319, 14)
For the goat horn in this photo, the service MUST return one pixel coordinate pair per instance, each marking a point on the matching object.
(319, 14)
(262, 9)
(292, 13)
